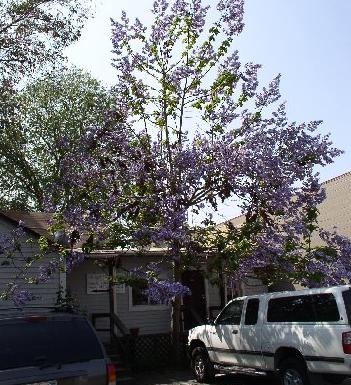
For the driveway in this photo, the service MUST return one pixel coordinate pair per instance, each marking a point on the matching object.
(185, 377)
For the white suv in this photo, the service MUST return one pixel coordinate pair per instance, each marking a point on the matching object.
(303, 336)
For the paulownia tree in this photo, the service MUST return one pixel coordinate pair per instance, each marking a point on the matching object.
(198, 130)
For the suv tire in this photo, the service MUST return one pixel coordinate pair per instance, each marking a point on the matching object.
(201, 365)
(292, 371)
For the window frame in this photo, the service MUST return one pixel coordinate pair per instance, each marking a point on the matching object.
(144, 307)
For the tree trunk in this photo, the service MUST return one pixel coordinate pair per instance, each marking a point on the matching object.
(177, 327)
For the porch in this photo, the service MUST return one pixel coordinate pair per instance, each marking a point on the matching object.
(138, 331)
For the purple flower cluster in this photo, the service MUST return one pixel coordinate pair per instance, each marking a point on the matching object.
(11, 241)
(46, 271)
(73, 259)
(159, 290)
(163, 291)
(18, 295)
(270, 94)
(232, 15)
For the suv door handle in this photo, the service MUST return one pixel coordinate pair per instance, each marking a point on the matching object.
(235, 331)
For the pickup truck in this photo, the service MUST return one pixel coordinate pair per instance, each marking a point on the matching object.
(301, 336)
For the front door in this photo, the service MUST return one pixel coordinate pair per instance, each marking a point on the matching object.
(194, 313)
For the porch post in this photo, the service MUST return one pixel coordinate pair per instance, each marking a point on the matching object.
(222, 289)
(111, 298)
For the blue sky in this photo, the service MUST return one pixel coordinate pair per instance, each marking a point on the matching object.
(307, 41)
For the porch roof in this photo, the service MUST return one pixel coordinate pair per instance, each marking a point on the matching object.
(111, 254)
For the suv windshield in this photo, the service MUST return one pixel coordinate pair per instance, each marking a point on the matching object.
(46, 341)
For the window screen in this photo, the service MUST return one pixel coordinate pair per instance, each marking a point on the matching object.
(251, 314)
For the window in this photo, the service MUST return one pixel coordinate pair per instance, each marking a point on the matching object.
(52, 341)
(231, 314)
(251, 315)
(140, 298)
(346, 295)
(139, 301)
(325, 307)
(290, 309)
(303, 308)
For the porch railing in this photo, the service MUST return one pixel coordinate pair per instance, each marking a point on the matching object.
(114, 322)
(122, 343)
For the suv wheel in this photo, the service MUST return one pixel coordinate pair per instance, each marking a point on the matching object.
(201, 365)
(293, 372)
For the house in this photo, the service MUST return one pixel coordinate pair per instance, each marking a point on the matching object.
(334, 214)
(119, 313)
(35, 225)
(335, 210)
(88, 282)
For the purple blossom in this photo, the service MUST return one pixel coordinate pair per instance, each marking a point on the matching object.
(160, 7)
(159, 290)
(18, 295)
(10, 241)
(232, 15)
(74, 259)
(163, 291)
(198, 15)
(250, 83)
(270, 95)
(46, 271)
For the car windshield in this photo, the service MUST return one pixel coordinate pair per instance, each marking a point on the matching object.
(46, 342)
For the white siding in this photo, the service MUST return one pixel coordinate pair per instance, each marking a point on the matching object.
(45, 293)
(148, 321)
(89, 303)
(77, 285)
(252, 286)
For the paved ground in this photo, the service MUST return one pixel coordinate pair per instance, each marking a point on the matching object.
(185, 377)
